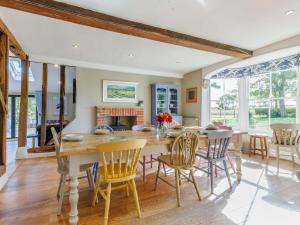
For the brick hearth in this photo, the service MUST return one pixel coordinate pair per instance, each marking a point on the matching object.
(104, 111)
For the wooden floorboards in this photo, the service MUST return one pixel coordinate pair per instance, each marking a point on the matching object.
(263, 197)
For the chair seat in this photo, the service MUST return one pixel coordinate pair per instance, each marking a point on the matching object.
(122, 175)
(175, 163)
(84, 167)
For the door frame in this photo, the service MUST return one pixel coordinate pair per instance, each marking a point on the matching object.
(14, 116)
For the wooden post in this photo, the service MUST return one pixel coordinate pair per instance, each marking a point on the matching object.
(22, 134)
(44, 103)
(4, 53)
(61, 97)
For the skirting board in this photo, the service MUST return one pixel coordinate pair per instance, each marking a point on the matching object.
(23, 154)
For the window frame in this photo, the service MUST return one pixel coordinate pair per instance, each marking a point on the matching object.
(271, 98)
(244, 100)
(236, 126)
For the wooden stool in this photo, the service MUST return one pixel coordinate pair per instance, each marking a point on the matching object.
(263, 144)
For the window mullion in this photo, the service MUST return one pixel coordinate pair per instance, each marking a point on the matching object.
(298, 96)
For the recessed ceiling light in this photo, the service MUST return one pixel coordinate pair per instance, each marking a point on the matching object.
(56, 65)
(75, 45)
(290, 12)
(131, 55)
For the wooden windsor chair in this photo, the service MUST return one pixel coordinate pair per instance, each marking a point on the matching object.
(181, 158)
(216, 151)
(287, 136)
(63, 170)
(96, 165)
(118, 170)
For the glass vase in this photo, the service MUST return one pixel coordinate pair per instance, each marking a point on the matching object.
(161, 130)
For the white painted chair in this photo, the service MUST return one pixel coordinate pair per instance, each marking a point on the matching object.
(63, 170)
(287, 136)
(217, 148)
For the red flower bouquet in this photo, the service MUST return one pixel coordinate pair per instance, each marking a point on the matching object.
(165, 117)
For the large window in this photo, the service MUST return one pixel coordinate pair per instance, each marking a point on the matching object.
(224, 101)
(272, 99)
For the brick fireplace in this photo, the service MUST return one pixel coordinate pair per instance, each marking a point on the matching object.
(102, 112)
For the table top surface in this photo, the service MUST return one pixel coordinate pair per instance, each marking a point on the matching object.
(90, 141)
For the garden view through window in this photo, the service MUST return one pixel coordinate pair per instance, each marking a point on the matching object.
(271, 99)
(224, 101)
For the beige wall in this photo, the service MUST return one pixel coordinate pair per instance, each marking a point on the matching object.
(190, 80)
(89, 94)
(51, 107)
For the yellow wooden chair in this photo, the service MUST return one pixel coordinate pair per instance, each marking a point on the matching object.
(118, 170)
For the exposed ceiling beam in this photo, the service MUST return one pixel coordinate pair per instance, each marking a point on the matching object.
(78, 15)
(14, 45)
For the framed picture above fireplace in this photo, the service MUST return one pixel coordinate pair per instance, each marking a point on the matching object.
(119, 91)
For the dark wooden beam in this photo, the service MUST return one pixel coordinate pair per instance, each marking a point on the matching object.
(2, 170)
(78, 15)
(2, 102)
(62, 96)
(44, 104)
(4, 54)
(14, 45)
(22, 134)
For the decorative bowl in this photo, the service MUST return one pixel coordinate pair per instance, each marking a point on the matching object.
(72, 137)
(101, 131)
(147, 129)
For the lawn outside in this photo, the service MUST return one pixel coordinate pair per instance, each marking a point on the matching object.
(260, 123)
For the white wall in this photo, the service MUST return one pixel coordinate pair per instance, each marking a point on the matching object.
(89, 94)
(51, 107)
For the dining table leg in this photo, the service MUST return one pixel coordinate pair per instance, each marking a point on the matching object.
(238, 156)
(74, 167)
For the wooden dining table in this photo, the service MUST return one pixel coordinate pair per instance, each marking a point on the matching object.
(83, 152)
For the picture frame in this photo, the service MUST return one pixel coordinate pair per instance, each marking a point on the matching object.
(119, 91)
(192, 95)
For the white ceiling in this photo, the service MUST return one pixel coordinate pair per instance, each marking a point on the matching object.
(249, 24)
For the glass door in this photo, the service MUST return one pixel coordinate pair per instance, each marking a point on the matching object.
(173, 101)
(32, 116)
(161, 100)
(13, 116)
(9, 118)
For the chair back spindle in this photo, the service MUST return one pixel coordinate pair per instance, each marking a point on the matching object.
(184, 149)
(104, 126)
(120, 159)
(218, 143)
(286, 134)
(61, 161)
